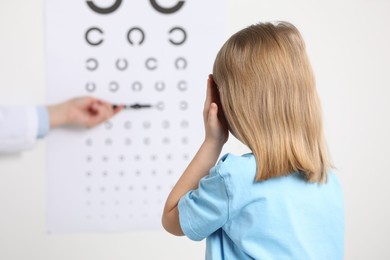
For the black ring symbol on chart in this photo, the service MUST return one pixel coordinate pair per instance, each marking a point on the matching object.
(182, 31)
(160, 86)
(183, 105)
(182, 85)
(167, 10)
(113, 86)
(90, 86)
(181, 63)
(184, 124)
(127, 141)
(137, 86)
(151, 63)
(165, 124)
(92, 64)
(166, 140)
(184, 140)
(146, 141)
(106, 10)
(93, 43)
(160, 106)
(127, 125)
(141, 32)
(146, 125)
(89, 142)
(121, 64)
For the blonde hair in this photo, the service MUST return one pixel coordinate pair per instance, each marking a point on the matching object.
(269, 98)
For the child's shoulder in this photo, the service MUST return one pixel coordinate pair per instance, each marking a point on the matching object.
(231, 165)
(241, 169)
(233, 158)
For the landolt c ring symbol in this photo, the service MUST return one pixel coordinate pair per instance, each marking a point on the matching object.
(167, 10)
(106, 10)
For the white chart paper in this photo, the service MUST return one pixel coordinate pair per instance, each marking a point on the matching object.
(117, 176)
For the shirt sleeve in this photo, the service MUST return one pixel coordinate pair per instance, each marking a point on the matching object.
(206, 209)
(43, 122)
(18, 128)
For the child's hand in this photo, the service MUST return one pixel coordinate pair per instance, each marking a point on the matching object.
(216, 136)
(214, 119)
(82, 111)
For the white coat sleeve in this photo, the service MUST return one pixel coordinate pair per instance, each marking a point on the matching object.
(18, 128)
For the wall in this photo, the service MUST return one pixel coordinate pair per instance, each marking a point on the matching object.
(348, 45)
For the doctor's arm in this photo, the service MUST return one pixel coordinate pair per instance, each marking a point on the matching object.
(84, 112)
(21, 126)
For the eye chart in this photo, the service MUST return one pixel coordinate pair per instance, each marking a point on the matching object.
(153, 56)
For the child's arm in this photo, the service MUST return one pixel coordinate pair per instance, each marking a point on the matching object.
(206, 157)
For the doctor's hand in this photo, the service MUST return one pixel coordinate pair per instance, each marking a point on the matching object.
(82, 111)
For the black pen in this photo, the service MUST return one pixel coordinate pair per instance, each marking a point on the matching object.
(133, 106)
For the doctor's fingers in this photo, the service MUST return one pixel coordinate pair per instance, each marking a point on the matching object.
(100, 113)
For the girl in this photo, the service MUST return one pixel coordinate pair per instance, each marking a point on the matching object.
(281, 201)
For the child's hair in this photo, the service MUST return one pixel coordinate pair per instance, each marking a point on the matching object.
(269, 98)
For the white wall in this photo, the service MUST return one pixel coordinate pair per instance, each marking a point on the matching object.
(348, 42)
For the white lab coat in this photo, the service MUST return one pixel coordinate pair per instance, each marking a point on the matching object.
(18, 128)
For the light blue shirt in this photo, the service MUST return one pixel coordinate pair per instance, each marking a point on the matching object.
(43, 122)
(281, 218)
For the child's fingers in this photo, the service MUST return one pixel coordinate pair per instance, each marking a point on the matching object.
(207, 100)
(208, 94)
(213, 115)
(214, 95)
